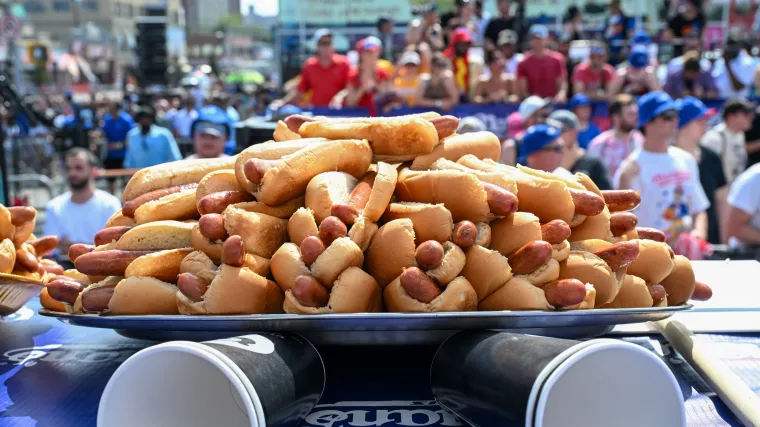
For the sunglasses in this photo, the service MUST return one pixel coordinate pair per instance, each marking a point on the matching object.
(324, 43)
(669, 115)
(554, 148)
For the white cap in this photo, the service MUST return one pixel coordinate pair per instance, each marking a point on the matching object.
(532, 104)
(410, 57)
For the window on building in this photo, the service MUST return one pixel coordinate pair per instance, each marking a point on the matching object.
(130, 10)
(61, 6)
(116, 8)
(34, 6)
(89, 5)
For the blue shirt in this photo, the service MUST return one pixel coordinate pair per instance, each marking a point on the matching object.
(231, 145)
(585, 136)
(157, 147)
(115, 130)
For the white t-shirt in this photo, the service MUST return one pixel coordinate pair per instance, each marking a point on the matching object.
(745, 195)
(79, 223)
(730, 147)
(743, 67)
(670, 190)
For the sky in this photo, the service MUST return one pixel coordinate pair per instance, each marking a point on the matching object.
(263, 7)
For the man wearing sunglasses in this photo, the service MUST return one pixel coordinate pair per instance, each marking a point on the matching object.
(542, 149)
(672, 197)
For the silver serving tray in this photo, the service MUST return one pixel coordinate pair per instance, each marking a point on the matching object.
(371, 328)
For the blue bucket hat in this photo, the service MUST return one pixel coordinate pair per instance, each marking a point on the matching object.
(211, 119)
(653, 104)
(640, 37)
(536, 138)
(690, 109)
(578, 100)
(639, 56)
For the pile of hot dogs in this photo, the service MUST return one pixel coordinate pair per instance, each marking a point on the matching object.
(365, 215)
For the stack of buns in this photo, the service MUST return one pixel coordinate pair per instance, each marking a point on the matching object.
(367, 215)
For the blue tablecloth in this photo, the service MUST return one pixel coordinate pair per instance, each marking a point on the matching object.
(53, 375)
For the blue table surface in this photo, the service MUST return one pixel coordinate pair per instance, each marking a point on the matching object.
(53, 375)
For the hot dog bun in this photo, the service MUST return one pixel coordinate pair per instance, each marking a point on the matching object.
(430, 222)
(200, 265)
(221, 180)
(633, 294)
(362, 232)
(262, 234)
(382, 191)
(286, 264)
(213, 249)
(452, 264)
(498, 179)
(283, 211)
(593, 227)
(302, 225)
(50, 304)
(548, 272)
(341, 254)
(354, 291)
(118, 219)
(143, 295)
(681, 282)
(177, 206)
(458, 296)
(6, 227)
(655, 262)
(510, 233)
(7, 256)
(267, 151)
(461, 193)
(483, 145)
(162, 265)
(589, 268)
(283, 133)
(173, 173)
(392, 249)
(516, 294)
(486, 270)
(157, 235)
(328, 189)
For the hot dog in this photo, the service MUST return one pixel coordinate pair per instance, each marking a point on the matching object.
(78, 249)
(233, 252)
(50, 267)
(192, 286)
(418, 285)
(657, 292)
(110, 234)
(97, 299)
(357, 200)
(44, 245)
(26, 261)
(564, 293)
(330, 229)
(218, 202)
(465, 234)
(619, 255)
(622, 222)
(702, 292)
(444, 125)
(107, 263)
(650, 234)
(131, 206)
(555, 232)
(311, 248)
(500, 201)
(586, 203)
(309, 292)
(530, 257)
(64, 289)
(22, 214)
(254, 169)
(621, 200)
(429, 254)
(211, 227)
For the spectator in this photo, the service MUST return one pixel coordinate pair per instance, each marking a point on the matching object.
(385, 34)
(691, 80)
(542, 148)
(507, 43)
(149, 144)
(692, 125)
(575, 158)
(482, 17)
(368, 79)
(532, 111)
(672, 198)
(692, 47)
(210, 132)
(744, 21)
(324, 75)
(466, 67)
(638, 77)
(415, 44)
(405, 85)
(222, 100)
(617, 30)
(752, 141)
(498, 86)
(432, 32)
(463, 16)
(76, 215)
(162, 108)
(184, 119)
(496, 26)
(587, 131)
(573, 23)
(437, 89)
(471, 124)
(614, 146)
(727, 138)
(594, 77)
(689, 20)
(542, 71)
(742, 225)
(736, 79)
(116, 125)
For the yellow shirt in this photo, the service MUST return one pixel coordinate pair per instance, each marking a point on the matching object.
(406, 89)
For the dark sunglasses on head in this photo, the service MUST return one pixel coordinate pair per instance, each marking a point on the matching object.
(669, 115)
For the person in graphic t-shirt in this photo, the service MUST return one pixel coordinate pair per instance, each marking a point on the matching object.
(614, 145)
(689, 20)
(672, 198)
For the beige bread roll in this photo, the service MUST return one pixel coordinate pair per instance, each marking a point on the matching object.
(392, 138)
(302, 225)
(570, 182)
(516, 294)
(157, 236)
(107, 282)
(588, 183)
(633, 294)
(262, 234)
(457, 296)
(362, 232)
(143, 295)
(176, 206)
(257, 264)
(341, 254)
(283, 133)
(286, 264)
(430, 222)
(50, 304)
(544, 274)
(655, 262)
(483, 145)
(681, 282)
(24, 231)
(212, 248)
(589, 268)
(452, 264)
(561, 251)
(172, 174)
(200, 265)
(496, 178)
(267, 151)
(283, 211)
(510, 233)
(354, 291)
(392, 249)
(288, 177)
(593, 227)
(461, 193)
(216, 181)
(118, 219)
(590, 245)
(382, 191)
(486, 270)
(161, 265)
(6, 227)
(234, 290)
(7, 256)
(328, 189)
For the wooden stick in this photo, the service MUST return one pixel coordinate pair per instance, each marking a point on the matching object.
(734, 392)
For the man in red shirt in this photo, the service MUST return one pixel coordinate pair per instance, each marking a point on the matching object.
(593, 77)
(542, 71)
(322, 76)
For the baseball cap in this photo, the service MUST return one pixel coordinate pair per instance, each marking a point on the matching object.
(530, 105)
(640, 37)
(597, 49)
(471, 124)
(213, 129)
(369, 44)
(563, 120)
(322, 32)
(737, 105)
(578, 100)
(639, 56)
(536, 138)
(461, 35)
(506, 37)
(538, 30)
(690, 109)
(653, 104)
(410, 58)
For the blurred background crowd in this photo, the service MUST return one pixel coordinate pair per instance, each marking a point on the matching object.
(655, 96)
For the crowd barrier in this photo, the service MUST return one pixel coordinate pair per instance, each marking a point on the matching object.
(493, 115)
